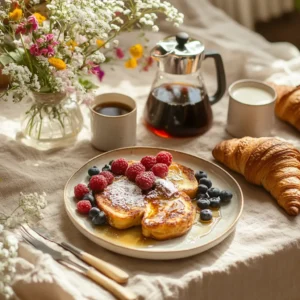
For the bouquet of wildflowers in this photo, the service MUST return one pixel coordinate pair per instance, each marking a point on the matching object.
(54, 53)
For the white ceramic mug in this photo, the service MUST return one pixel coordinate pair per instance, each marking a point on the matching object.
(112, 132)
(251, 108)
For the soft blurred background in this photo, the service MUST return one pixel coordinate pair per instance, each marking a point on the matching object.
(276, 20)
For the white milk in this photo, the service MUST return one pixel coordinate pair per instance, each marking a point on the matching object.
(252, 96)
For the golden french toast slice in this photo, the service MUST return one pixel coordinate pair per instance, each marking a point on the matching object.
(168, 218)
(123, 203)
(183, 178)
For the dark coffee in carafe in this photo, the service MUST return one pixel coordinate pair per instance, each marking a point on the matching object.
(178, 110)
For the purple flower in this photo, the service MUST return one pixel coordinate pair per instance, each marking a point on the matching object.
(33, 22)
(119, 53)
(97, 71)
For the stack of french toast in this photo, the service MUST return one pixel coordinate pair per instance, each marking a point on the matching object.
(164, 212)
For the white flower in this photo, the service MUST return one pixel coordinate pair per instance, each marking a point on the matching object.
(155, 28)
(116, 43)
(97, 57)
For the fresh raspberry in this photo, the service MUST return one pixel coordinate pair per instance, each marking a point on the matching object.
(160, 170)
(80, 190)
(119, 166)
(164, 157)
(98, 183)
(145, 180)
(148, 161)
(134, 170)
(108, 176)
(84, 206)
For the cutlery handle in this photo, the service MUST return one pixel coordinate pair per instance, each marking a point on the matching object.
(117, 290)
(106, 268)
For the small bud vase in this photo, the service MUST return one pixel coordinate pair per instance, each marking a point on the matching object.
(53, 120)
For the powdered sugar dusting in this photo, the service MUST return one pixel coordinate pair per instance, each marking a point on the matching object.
(163, 188)
(125, 194)
(166, 187)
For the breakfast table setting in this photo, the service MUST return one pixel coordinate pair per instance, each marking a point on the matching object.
(252, 252)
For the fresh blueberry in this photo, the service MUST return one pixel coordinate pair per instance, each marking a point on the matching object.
(99, 219)
(205, 215)
(110, 163)
(93, 171)
(225, 196)
(215, 202)
(213, 192)
(206, 182)
(106, 168)
(202, 189)
(200, 174)
(95, 211)
(201, 196)
(203, 203)
(90, 197)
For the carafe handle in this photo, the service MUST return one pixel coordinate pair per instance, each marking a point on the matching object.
(221, 78)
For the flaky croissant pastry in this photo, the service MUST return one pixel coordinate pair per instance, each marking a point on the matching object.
(287, 107)
(270, 162)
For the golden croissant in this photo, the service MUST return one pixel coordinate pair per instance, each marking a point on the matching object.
(287, 107)
(270, 162)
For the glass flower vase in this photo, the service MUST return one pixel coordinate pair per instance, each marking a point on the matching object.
(53, 120)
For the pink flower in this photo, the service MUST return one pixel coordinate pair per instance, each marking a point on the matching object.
(34, 50)
(33, 22)
(40, 41)
(51, 51)
(119, 53)
(97, 71)
(44, 52)
(49, 37)
(21, 29)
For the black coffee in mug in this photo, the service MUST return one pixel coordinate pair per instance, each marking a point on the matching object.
(112, 109)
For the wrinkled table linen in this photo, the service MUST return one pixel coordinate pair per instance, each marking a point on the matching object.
(259, 260)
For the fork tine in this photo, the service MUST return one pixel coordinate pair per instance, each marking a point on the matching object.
(26, 236)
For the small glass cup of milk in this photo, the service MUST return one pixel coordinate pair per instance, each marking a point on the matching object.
(251, 108)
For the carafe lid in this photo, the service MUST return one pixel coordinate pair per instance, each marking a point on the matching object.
(178, 54)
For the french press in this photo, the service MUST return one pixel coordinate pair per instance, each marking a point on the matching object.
(178, 104)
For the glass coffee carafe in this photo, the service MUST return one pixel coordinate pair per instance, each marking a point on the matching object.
(178, 104)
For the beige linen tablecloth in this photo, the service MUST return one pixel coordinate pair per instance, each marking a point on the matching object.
(260, 260)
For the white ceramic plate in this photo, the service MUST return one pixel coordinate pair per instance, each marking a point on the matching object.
(130, 241)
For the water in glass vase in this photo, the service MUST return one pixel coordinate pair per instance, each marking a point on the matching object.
(53, 120)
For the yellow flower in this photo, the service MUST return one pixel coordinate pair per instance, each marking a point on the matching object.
(72, 44)
(100, 43)
(137, 51)
(131, 63)
(16, 14)
(57, 63)
(40, 18)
